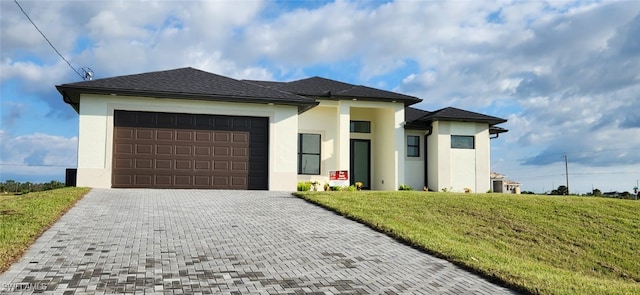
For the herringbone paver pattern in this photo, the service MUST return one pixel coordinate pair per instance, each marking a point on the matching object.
(224, 242)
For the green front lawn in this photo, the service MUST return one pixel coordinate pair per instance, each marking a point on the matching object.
(536, 244)
(23, 218)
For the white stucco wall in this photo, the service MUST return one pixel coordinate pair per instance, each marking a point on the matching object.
(414, 166)
(322, 120)
(96, 133)
(457, 169)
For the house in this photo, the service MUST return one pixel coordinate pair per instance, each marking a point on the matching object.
(500, 184)
(187, 128)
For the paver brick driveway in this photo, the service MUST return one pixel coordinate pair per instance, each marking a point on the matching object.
(229, 242)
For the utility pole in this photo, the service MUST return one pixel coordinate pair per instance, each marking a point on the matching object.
(566, 170)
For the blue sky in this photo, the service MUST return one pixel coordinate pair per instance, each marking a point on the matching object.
(566, 74)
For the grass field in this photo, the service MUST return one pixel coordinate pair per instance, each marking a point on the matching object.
(24, 218)
(534, 244)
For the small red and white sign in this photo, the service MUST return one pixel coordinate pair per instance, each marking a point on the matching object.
(338, 178)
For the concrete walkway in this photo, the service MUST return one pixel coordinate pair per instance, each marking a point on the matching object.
(224, 242)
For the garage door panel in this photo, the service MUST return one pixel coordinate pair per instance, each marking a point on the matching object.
(202, 151)
(184, 136)
(258, 138)
(183, 150)
(221, 181)
(164, 149)
(164, 181)
(221, 165)
(240, 138)
(145, 119)
(238, 181)
(142, 179)
(182, 180)
(204, 122)
(239, 166)
(239, 152)
(122, 179)
(142, 134)
(258, 153)
(221, 151)
(222, 122)
(203, 136)
(124, 148)
(124, 163)
(189, 151)
(241, 123)
(202, 165)
(183, 164)
(185, 120)
(144, 149)
(143, 163)
(200, 181)
(221, 137)
(123, 133)
(166, 121)
(163, 164)
(165, 135)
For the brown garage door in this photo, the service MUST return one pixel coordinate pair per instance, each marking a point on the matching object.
(170, 150)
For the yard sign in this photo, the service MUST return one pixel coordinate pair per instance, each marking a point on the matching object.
(338, 178)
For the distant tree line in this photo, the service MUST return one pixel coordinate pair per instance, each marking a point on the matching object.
(635, 195)
(16, 187)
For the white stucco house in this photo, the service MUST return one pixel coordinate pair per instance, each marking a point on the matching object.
(500, 184)
(187, 128)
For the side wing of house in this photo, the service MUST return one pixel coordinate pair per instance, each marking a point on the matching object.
(449, 150)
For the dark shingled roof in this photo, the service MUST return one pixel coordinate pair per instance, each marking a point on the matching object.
(420, 119)
(270, 84)
(194, 84)
(413, 114)
(331, 89)
(454, 114)
(184, 83)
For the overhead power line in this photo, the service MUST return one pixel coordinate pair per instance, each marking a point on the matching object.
(88, 73)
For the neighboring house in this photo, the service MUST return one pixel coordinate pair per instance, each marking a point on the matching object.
(501, 184)
(187, 128)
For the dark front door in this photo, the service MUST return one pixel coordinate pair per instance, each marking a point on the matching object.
(361, 162)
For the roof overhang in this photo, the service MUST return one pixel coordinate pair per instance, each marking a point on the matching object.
(71, 96)
(406, 102)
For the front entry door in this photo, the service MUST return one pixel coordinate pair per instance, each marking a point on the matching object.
(361, 162)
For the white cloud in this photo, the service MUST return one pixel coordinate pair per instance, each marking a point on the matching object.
(36, 154)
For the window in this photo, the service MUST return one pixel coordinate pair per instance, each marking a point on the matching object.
(309, 154)
(413, 146)
(360, 126)
(462, 142)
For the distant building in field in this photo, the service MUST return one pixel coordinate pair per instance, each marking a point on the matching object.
(500, 184)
